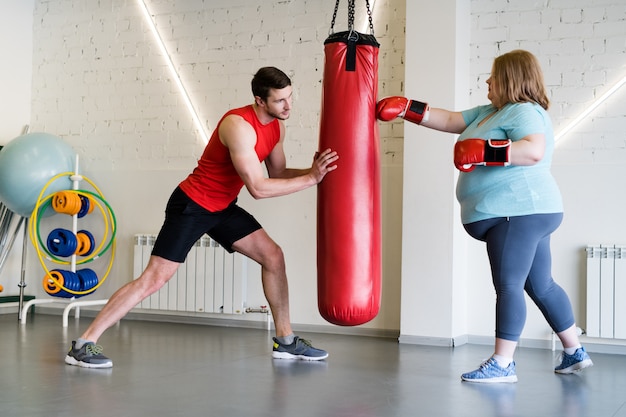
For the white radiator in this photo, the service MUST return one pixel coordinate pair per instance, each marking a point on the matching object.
(606, 291)
(210, 280)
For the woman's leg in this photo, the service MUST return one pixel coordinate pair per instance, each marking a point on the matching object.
(557, 309)
(511, 246)
(548, 295)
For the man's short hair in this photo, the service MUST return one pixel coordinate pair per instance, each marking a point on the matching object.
(268, 78)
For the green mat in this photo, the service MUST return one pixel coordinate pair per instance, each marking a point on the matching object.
(15, 298)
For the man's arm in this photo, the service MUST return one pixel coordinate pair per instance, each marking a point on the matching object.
(276, 163)
(240, 139)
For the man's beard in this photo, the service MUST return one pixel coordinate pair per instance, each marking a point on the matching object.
(278, 116)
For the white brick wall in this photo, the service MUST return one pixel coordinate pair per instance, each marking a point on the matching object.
(101, 82)
(581, 45)
(390, 22)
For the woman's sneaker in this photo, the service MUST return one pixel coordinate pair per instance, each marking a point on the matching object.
(489, 372)
(88, 356)
(299, 349)
(572, 363)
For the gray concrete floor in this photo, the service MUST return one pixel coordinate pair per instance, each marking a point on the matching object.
(165, 369)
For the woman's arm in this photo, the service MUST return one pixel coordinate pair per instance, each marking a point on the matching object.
(445, 121)
(529, 150)
(420, 113)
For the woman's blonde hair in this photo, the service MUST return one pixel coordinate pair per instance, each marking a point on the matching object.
(520, 78)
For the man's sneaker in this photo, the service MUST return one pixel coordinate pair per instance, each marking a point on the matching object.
(572, 363)
(299, 349)
(88, 356)
(489, 372)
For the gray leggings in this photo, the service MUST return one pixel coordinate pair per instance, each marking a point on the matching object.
(519, 254)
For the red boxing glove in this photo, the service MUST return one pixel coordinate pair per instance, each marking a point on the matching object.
(471, 152)
(391, 107)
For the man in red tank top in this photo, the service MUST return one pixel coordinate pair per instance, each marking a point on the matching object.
(206, 202)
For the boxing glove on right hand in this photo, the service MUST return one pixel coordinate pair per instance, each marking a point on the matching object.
(471, 152)
(389, 108)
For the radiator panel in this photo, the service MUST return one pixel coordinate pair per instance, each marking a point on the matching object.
(593, 290)
(606, 291)
(607, 275)
(620, 292)
(210, 280)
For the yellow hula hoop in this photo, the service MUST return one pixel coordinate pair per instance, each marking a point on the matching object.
(35, 241)
(96, 253)
(89, 291)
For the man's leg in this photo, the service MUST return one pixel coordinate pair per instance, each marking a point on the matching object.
(84, 352)
(156, 274)
(259, 247)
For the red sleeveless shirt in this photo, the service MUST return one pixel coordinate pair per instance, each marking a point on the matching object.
(214, 183)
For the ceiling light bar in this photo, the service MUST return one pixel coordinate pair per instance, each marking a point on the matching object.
(172, 69)
(589, 109)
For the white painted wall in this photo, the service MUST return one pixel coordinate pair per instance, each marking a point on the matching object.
(16, 44)
(433, 266)
(581, 46)
(100, 83)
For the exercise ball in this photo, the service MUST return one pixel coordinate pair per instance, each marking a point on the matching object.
(27, 163)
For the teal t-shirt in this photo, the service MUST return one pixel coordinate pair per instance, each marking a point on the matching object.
(488, 192)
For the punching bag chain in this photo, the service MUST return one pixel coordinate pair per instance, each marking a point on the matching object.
(332, 23)
(351, 17)
(369, 17)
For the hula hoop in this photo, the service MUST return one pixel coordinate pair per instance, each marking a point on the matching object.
(96, 253)
(34, 230)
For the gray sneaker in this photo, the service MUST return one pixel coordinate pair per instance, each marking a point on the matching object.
(299, 349)
(88, 356)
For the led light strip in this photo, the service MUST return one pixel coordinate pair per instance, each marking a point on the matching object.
(591, 108)
(172, 69)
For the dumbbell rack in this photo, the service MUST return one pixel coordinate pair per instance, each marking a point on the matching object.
(76, 179)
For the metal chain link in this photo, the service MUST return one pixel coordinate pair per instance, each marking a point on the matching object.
(332, 24)
(369, 16)
(351, 9)
(351, 15)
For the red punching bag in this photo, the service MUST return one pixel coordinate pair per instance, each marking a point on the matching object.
(349, 251)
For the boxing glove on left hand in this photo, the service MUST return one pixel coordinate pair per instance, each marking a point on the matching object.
(471, 152)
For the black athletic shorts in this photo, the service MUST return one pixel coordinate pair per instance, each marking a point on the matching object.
(186, 222)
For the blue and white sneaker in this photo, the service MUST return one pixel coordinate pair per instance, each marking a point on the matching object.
(572, 363)
(489, 372)
(299, 349)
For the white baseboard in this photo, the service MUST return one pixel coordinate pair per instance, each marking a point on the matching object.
(592, 345)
